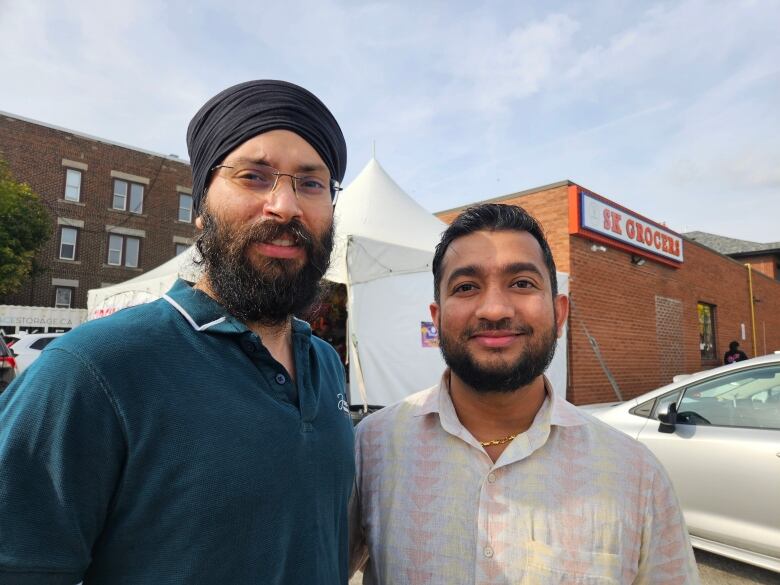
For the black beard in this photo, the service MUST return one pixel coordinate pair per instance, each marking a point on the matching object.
(506, 376)
(271, 293)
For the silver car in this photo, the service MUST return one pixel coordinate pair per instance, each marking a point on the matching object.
(717, 433)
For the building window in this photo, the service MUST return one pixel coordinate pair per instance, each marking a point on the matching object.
(185, 208)
(72, 185)
(128, 196)
(181, 248)
(123, 250)
(63, 297)
(707, 332)
(68, 239)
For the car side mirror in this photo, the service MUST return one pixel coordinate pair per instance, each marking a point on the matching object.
(668, 419)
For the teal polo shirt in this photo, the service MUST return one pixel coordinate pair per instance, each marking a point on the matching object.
(164, 445)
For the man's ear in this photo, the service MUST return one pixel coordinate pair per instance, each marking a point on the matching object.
(435, 311)
(561, 303)
(199, 222)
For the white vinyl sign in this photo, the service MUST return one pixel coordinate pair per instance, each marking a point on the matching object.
(623, 226)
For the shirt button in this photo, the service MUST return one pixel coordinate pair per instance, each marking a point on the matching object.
(491, 478)
(280, 379)
(250, 347)
(488, 552)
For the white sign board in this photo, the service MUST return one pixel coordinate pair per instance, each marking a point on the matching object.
(620, 224)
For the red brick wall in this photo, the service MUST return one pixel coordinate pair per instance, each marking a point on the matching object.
(767, 314)
(765, 264)
(619, 304)
(34, 155)
(644, 319)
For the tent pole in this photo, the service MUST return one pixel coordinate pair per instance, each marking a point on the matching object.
(352, 336)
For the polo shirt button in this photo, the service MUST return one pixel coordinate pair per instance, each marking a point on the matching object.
(250, 347)
(488, 552)
(491, 478)
(280, 379)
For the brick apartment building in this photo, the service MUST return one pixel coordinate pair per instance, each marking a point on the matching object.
(116, 211)
(647, 303)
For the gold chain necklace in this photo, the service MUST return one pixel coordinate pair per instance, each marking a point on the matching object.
(497, 441)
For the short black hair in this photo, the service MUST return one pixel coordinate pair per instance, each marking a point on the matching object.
(492, 217)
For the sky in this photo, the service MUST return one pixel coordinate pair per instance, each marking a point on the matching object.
(671, 109)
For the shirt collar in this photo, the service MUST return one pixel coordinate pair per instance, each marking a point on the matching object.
(562, 412)
(555, 411)
(203, 313)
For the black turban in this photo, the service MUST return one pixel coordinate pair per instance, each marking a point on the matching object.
(243, 111)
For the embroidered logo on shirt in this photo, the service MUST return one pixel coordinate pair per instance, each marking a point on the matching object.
(343, 405)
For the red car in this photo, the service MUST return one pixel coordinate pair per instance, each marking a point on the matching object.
(7, 365)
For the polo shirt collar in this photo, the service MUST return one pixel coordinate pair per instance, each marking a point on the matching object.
(201, 311)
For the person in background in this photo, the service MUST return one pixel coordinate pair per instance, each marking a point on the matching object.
(734, 354)
(200, 438)
(491, 476)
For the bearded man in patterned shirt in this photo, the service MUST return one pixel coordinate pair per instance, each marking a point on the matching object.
(491, 477)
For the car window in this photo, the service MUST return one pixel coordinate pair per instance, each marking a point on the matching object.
(748, 398)
(662, 403)
(41, 343)
(645, 409)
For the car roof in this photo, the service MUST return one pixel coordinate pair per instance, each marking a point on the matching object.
(26, 340)
(773, 358)
(39, 335)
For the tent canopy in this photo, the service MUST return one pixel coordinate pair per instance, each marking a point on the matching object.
(374, 207)
(383, 252)
(143, 288)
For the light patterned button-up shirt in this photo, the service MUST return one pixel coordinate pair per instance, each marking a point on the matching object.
(571, 501)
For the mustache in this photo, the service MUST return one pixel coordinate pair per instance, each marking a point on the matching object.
(268, 230)
(263, 231)
(501, 325)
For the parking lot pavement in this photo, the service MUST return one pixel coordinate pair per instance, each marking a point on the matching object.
(714, 570)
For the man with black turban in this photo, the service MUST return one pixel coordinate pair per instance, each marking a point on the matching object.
(201, 438)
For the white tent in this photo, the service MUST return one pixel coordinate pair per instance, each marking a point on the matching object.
(384, 247)
(146, 287)
(383, 251)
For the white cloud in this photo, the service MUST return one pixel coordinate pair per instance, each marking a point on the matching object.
(660, 106)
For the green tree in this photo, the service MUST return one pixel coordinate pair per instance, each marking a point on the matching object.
(25, 226)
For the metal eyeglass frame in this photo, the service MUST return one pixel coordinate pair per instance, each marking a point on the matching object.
(335, 186)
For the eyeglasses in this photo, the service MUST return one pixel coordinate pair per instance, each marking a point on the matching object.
(263, 179)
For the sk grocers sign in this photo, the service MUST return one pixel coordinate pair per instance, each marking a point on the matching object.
(601, 220)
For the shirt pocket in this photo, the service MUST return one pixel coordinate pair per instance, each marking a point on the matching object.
(550, 565)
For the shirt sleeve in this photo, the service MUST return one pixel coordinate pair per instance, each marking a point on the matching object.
(666, 556)
(62, 448)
